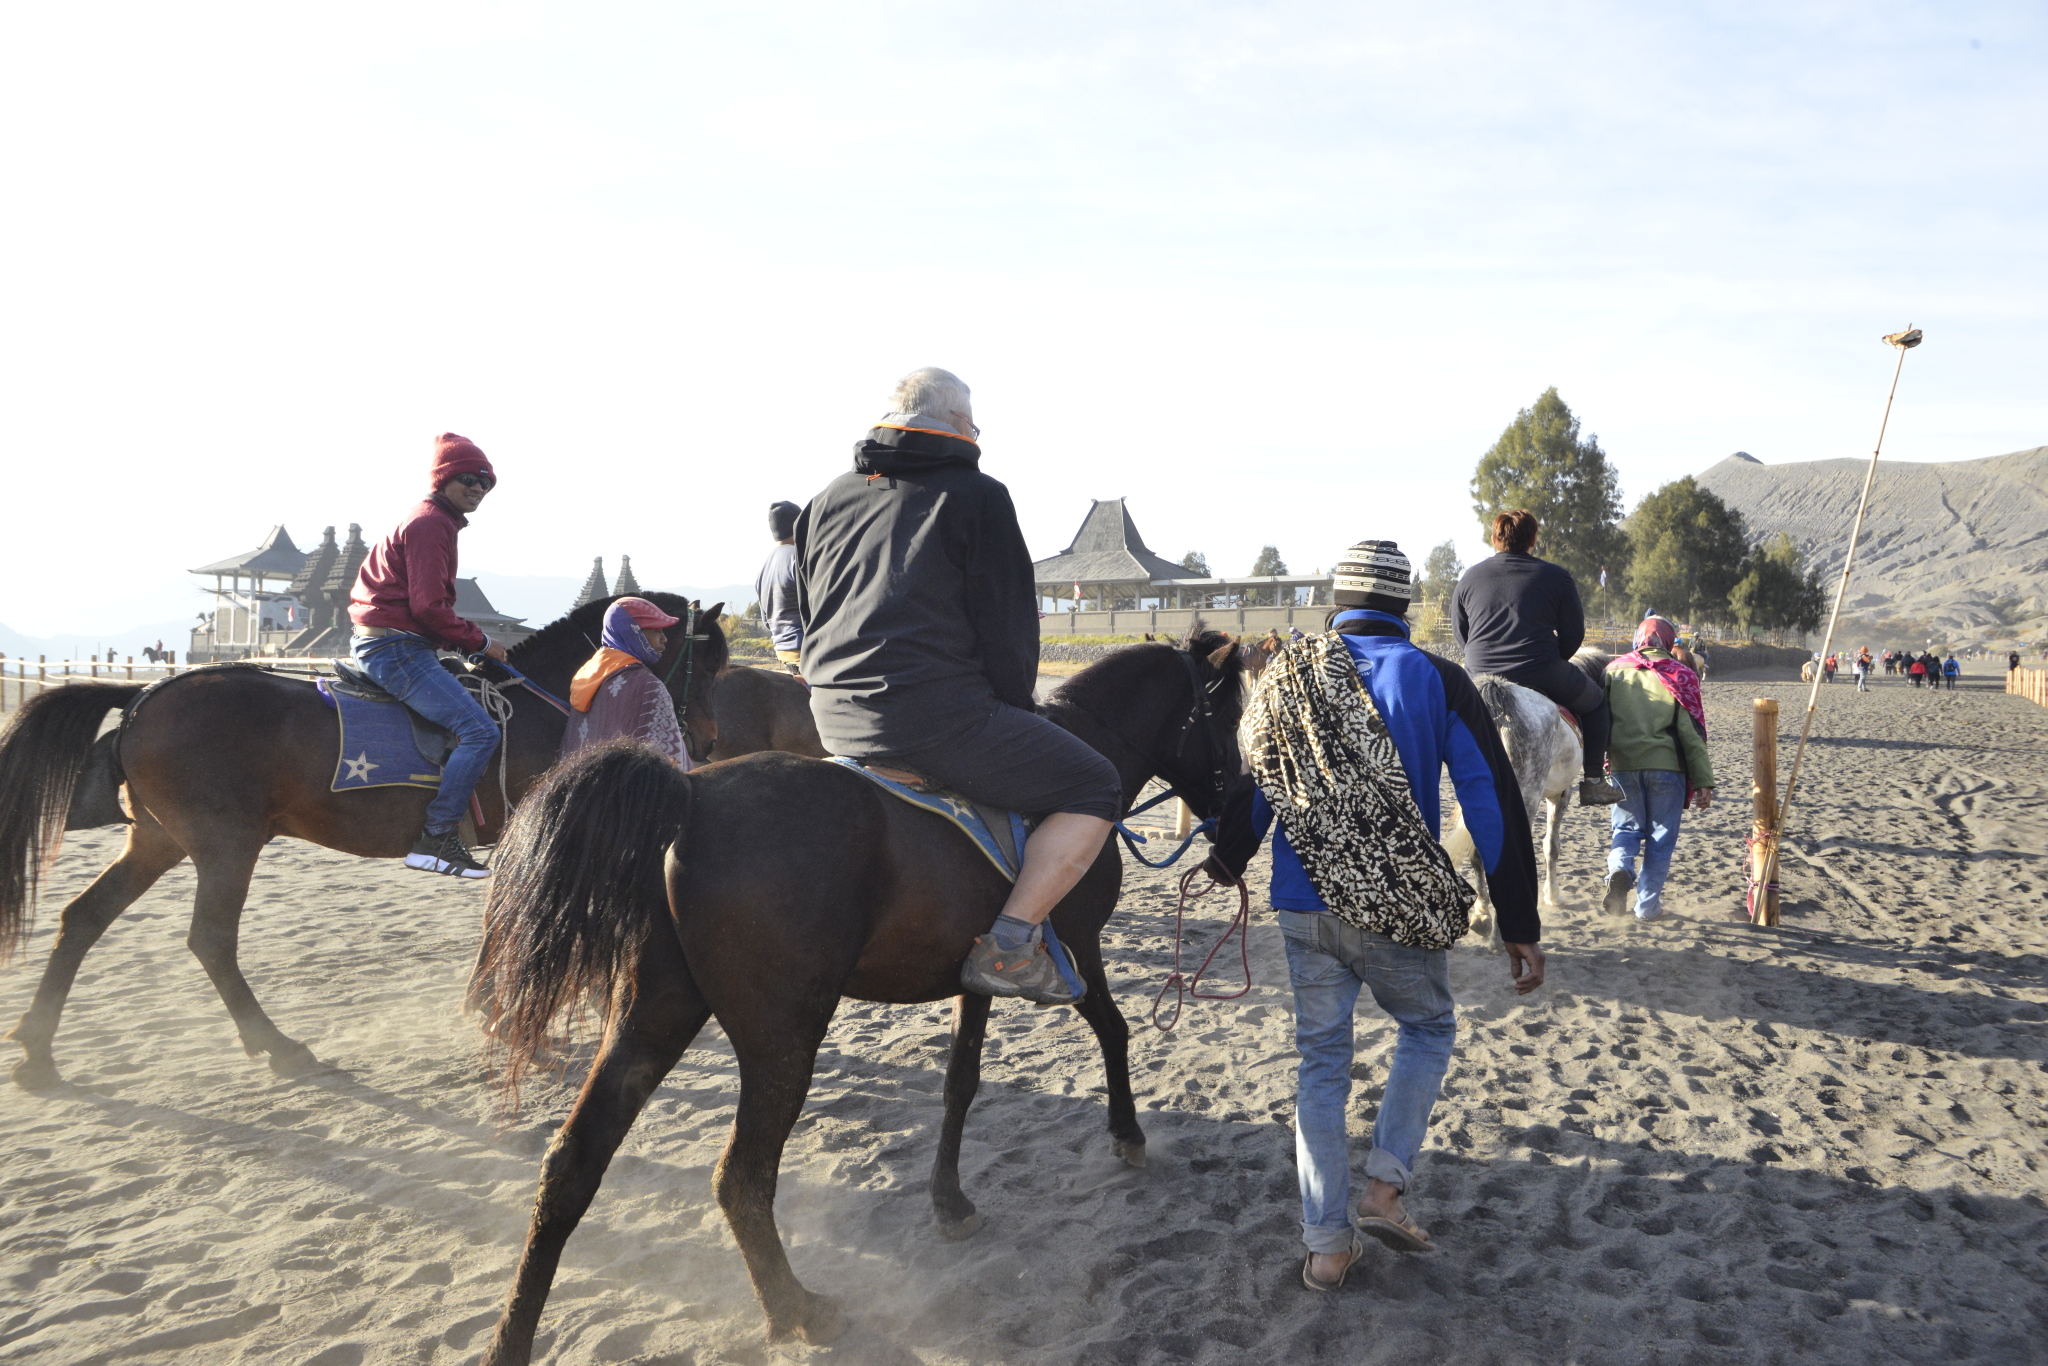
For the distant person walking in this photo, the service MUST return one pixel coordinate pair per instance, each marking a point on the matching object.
(1827, 669)
(775, 589)
(1917, 670)
(2012, 660)
(1862, 673)
(1950, 671)
(1659, 756)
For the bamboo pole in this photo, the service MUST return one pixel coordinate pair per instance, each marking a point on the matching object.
(1903, 342)
(1763, 791)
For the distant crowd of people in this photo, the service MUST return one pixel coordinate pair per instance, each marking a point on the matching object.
(1925, 669)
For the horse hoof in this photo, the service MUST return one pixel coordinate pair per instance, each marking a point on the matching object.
(1133, 1154)
(294, 1060)
(822, 1322)
(36, 1074)
(957, 1230)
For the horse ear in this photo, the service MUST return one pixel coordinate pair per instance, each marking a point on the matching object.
(714, 611)
(1220, 657)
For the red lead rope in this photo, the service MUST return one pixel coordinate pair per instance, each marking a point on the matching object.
(1240, 925)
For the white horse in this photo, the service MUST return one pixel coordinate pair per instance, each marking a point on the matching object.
(1547, 755)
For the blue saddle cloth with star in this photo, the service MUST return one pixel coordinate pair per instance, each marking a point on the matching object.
(384, 744)
(998, 834)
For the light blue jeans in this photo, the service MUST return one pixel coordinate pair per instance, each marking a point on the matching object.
(1645, 822)
(406, 666)
(1328, 961)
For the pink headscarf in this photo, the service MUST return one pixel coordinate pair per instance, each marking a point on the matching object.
(1655, 633)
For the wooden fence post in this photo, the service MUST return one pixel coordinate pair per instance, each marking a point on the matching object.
(1763, 835)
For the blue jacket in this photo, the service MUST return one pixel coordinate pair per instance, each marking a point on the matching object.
(1436, 720)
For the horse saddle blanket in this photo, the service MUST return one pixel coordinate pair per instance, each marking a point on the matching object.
(384, 743)
(1571, 720)
(997, 833)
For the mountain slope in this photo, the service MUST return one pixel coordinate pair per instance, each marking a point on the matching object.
(1957, 551)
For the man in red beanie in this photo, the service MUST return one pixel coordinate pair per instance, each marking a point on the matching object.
(403, 607)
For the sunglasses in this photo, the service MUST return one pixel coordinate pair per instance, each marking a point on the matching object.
(476, 481)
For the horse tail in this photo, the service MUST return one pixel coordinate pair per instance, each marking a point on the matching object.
(577, 886)
(42, 756)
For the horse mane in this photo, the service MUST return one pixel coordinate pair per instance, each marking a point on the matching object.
(564, 643)
(1116, 671)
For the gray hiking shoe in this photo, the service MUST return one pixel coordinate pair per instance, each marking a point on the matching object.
(1027, 971)
(1620, 883)
(444, 853)
(1600, 792)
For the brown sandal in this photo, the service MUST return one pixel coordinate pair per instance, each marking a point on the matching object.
(1309, 1278)
(1401, 1237)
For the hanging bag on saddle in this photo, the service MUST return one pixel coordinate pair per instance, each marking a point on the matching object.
(1320, 751)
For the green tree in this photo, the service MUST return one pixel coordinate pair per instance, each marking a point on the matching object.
(1269, 562)
(1687, 549)
(1197, 564)
(1777, 591)
(1540, 463)
(1440, 572)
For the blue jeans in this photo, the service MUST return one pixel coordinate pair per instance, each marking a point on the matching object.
(405, 666)
(1328, 961)
(1645, 822)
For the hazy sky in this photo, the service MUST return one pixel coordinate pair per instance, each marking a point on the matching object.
(1277, 272)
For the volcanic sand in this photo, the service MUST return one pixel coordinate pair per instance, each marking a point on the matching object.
(1699, 1143)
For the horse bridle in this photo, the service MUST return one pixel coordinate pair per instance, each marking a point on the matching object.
(1203, 711)
(686, 660)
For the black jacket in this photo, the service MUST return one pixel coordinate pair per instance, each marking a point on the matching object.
(1513, 612)
(919, 608)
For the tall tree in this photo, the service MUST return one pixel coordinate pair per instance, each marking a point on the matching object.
(1197, 564)
(1777, 591)
(1269, 562)
(1686, 551)
(1540, 463)
(1440, 572)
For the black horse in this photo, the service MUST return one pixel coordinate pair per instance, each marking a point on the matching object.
(217, 762)
(761, 891)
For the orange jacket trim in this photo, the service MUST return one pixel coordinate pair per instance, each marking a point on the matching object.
(600, 666)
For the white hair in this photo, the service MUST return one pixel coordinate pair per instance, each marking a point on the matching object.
(932, 390)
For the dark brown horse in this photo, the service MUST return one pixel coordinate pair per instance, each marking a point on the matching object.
(759, 709)
(763, 890)
(216, 762)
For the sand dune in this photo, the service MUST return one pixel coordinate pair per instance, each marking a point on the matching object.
(1700, 1143)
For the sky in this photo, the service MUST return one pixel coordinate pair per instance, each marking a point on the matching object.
(1278, 273)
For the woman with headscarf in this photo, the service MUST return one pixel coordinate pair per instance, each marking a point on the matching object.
(1658, 751)
(616, 693)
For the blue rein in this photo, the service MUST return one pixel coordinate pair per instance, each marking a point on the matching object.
(1133, 839)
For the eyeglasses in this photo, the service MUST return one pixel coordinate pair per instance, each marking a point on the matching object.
(476, 481)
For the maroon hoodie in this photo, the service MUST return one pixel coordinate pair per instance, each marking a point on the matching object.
(408, 581)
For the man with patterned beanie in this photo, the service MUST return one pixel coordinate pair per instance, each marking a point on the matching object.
(403, 608)
(1346, 737)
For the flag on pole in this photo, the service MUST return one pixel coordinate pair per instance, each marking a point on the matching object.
(1603, 576)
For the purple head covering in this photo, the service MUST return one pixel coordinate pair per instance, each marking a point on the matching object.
(621, 634)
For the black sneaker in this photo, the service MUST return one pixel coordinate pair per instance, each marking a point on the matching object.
(1620, 883)
(444, 853)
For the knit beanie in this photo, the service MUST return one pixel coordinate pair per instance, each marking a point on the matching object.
(455, 455)
(782, 520)
(1375, 575)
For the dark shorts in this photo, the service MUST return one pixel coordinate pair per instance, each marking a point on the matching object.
(1021, 762)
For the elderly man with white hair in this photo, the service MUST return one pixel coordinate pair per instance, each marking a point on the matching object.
(920, 645)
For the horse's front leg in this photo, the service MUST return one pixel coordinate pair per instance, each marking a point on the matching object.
(955, 1212)
(1113, 1033)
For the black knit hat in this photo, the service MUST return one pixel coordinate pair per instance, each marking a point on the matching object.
(782, 520)
(1375, 574)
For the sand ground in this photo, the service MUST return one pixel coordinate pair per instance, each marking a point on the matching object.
(1699, 1144)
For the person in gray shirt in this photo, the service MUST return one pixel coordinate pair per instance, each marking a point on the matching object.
(775, 589)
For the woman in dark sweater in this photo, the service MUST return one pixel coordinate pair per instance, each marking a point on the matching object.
(1520, 617)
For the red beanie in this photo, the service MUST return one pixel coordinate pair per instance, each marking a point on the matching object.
(455, 455)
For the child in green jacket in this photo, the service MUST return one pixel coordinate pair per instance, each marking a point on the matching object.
(1658, 754)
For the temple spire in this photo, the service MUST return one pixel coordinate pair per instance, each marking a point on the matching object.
(626, 583)
(593, 587)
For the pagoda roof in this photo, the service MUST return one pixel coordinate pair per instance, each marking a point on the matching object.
(1107, 549)
(276, 558)
(472, 605)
